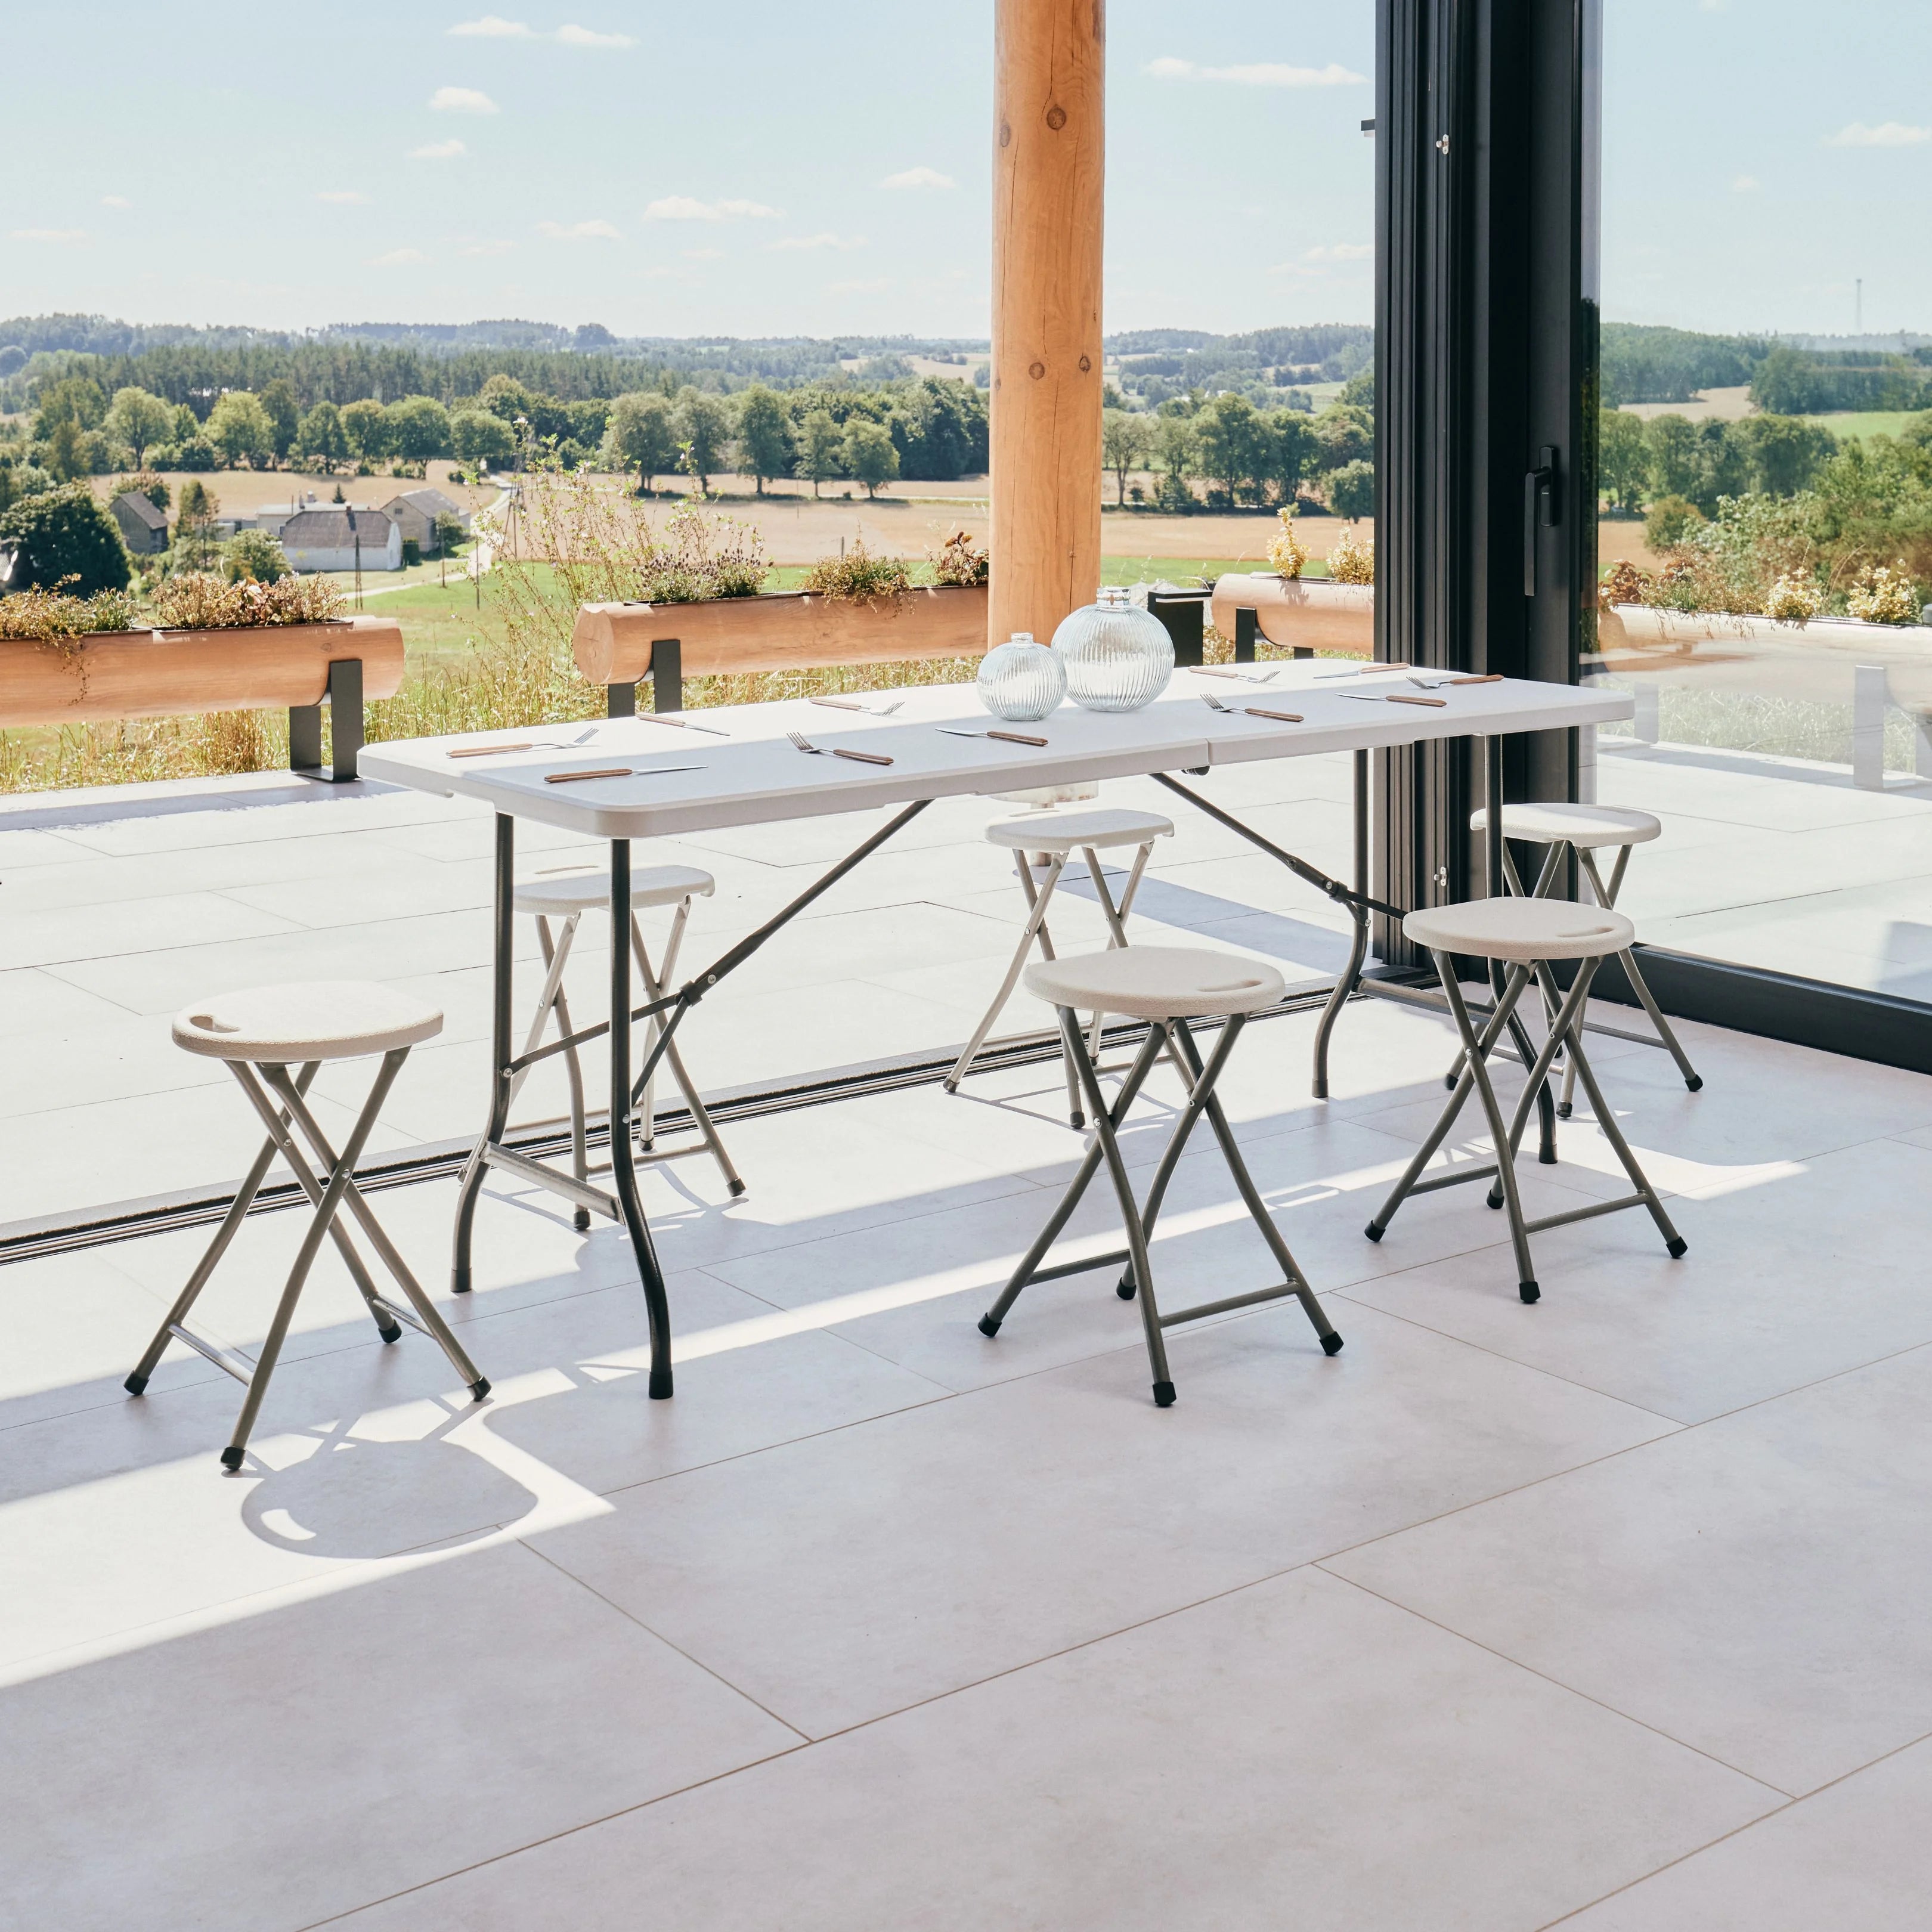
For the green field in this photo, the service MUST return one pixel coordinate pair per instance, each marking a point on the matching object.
(1866, 422)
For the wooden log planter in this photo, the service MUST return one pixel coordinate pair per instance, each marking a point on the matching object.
(1304, 614)
(122, 674)
(617, 645)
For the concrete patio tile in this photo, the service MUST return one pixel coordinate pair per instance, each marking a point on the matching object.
(1751, 1587)
(841, 1578)
(1296, 1753)
(1805, 1273)
(109, 930)
(24, 850)
(1856, 1853)
(419, 1723)
(107, 1061)
(33, 1001)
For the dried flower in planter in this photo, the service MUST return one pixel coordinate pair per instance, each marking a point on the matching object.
(1885, 594)
(48, 616)
(1285, 552)
(1794, 600)
(199, 601)
(959, 560)
(858, 576)
(1353, 559)
(1623, 583)
(703, 555)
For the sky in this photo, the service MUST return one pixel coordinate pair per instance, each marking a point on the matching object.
(760, 167)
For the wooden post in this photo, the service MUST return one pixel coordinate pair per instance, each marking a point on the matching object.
(1049, 197)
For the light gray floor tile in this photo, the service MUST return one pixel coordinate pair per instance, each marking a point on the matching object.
(1294, 1754)
(415, 1724)
(841, 1578)
(1749, 1587)
(1855, 1854)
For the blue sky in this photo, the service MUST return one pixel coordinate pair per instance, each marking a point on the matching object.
(752, 167)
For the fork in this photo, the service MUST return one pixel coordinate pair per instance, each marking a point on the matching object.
(1213, 703)
(846, 704)
(1244, 677)
(837, 751)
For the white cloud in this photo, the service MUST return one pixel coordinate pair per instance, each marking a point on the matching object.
(492, 27)
(826, 240)
(1746, 184)
(115, 201)
(579, 231)
(439, 151)
(920, 177)
(1265, 73)
(50, 234)
(488, 248)
(703, 254)
(1343, 251)
(346, 197)
(686, 208)
(1886, 134)
(398, 258)
(461, 100)
(859, 288)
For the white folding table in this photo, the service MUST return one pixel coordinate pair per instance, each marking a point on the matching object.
(735, 766)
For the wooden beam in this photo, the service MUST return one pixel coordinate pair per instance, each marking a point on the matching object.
(1049, 160)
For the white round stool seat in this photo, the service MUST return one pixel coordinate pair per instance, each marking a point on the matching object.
(1062, 831)
(1521, 930)
(1157, 982)
(1585, 827)
(584, 892)
(315, 1019)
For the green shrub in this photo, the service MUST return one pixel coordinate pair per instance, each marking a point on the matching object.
(1670, 520)
(67, 540)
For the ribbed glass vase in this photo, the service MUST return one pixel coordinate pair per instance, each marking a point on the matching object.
(1021, 680)
(1117, 658)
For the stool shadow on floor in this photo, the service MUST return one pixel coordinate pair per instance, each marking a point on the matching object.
(357, 1498)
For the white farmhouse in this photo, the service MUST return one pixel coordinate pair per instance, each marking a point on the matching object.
(334, 538)
(417, 510)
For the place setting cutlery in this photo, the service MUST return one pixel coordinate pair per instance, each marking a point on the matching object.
(1005, 737)
(679, 723)
(1360, 671)
(1213, 703)
(837, 751)
(851, 704)
(521, 744)
(1240, 676)
(618, 772)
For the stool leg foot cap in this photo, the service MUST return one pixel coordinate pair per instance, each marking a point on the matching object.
(1163, 1395)
(393, 1333)
(1563, 1110)
(1529, 1291)
(1547, 1155)
(1124, 1288)
(580, 1220)
(459, 1281)
(1320, 1090)
(1493, 1198)
(951, 1086)
(479, 1388)
(1449, 1080)
(1692, 1081)
(1077, 1119)
(1331, 1345)
(231, 1459)
(1677, 1249)
(988, 1325)
(134, 1384)
(660, 1385)
(735, 1188)
(1374, 1231)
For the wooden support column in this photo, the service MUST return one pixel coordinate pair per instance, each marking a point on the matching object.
(1049, 161)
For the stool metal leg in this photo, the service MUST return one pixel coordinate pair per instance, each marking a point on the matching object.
(553, 998)
(654, 989)
(1606, 896)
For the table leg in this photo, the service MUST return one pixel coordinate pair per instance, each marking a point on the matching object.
(1358, 946)
(501, 1078)
(623, 1159)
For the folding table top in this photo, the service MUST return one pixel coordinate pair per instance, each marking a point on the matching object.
(741, 769)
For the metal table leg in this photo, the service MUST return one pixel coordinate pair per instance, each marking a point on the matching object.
(502, 1074)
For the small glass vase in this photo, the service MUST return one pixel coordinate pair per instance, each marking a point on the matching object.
(1118, 659)
(1021, 680)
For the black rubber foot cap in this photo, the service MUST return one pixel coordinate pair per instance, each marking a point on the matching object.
(660, 1385)
(134, 1384)
(580, 1220)
(1547, 1155)
(951, 1086)
(1077, 1119)
(394, 1333)
(1529, 1291)
(480, 1387)
(1563, 1110)
(1124, 1288)
(1492, 1200)
(988, 1326)
(1163, 1395)
(1320, 1090)
(1449, 1080)
(1676, 1250)
(231, 1459)
(1374, 1233)
(1331, 1345)
(459, 1281)
(737, 1187)
(1693, 1081)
